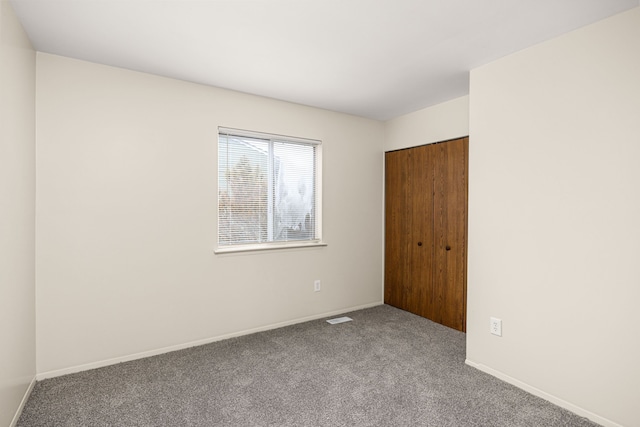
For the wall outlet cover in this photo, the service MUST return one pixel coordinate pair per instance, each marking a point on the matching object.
(495, 326)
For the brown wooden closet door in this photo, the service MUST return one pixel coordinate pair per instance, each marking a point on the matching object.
(419, 209)
(426, 213)
(397, 226)
(409, 230)
(450, 245)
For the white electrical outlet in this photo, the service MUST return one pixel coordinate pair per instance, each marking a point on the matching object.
(317, 286)
(495, 326)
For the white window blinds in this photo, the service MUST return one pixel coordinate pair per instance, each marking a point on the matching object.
(268, 189)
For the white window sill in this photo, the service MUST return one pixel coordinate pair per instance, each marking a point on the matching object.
(267, 247)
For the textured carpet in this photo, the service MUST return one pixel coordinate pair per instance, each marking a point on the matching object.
(385, 368)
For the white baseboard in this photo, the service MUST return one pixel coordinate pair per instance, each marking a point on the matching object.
(23, 402)
(71, 370)
(551, 398)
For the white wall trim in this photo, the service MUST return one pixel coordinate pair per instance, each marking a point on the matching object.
(23, 402)
(537, 392)
(94, 365)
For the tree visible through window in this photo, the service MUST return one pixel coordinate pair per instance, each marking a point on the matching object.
(268, 189)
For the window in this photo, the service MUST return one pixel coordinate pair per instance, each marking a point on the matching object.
(268, 191)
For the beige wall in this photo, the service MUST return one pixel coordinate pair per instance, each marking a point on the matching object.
(126, 217)
(554, 236)
(434, 124)
(17, 224)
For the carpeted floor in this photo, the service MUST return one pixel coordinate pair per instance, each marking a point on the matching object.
(385, 368)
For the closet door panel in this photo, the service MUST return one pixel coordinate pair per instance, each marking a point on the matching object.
(421, 299)
(397, 228)
(450, 250)
(409, 230)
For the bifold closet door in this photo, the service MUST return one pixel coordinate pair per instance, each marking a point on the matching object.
(409, 230)
(425, 231)
(450, 232)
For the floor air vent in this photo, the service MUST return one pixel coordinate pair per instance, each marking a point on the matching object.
(339, 320)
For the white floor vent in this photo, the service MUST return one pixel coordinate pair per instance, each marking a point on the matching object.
(339, 320)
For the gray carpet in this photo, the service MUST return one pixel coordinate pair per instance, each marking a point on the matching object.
(386, 368)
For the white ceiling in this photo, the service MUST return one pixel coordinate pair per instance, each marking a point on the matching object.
(372, 58)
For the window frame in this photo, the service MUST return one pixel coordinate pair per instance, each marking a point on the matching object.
(272, 245)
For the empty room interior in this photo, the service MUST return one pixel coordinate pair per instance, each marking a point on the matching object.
(113, 120)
